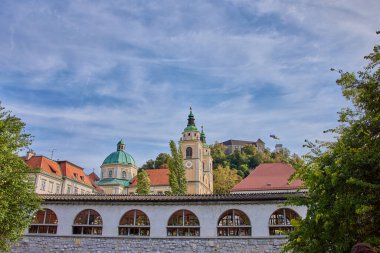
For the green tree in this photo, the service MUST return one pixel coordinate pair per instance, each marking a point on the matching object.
(162, 160)
(225, 179)
(177, 175)
(143, 183)
(343, 176)
(18, 200)
(148, 165)
(218, 155)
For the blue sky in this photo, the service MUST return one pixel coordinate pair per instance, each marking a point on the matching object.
(83, 74)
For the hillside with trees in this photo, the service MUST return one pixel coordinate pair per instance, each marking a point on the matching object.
(249, 157)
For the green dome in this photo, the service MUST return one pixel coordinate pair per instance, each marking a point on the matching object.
(190, 123)
(120, 156)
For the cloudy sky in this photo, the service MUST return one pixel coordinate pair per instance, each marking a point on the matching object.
(83, 74)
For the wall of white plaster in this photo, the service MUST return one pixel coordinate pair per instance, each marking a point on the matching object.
(208, 215)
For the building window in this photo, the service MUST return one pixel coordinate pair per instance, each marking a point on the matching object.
(134, 223)
(88, 222)
(280, 221)
(110, 173)
(75, 190)
(189, 152)
(58, 188)
(234, 223)
(123, 174)
(44, 222)
(183, 223)
(51, 185)
(43, 184)
(68, 189)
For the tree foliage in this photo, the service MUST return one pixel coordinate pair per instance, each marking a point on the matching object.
(143, 183)
(161, 160)
(343, 176)
(248, 158)
(225, 179)
(177, 175)
(18, 200)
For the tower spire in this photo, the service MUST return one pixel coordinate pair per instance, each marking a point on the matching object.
(203, 136)
(191, 119)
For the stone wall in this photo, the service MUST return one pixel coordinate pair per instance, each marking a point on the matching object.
(39, 244)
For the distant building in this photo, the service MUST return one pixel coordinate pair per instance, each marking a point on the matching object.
(159, 181)
(278, 148)
(232, 145)
(268, 177)
(58, 177)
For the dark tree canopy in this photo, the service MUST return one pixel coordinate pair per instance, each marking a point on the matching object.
(161, 161)
(18, 201)
(343, 177)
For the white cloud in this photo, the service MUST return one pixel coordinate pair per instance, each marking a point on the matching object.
(131, 70)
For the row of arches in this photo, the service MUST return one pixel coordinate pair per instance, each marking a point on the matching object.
(183, 222)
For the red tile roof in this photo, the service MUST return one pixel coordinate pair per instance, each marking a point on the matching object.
(94, 177)
(74, 172)
(268, 176)
(45, 164)
(156, 176)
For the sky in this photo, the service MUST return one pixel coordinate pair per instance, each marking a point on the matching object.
(84, 74)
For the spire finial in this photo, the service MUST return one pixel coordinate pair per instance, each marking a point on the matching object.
(203, 136)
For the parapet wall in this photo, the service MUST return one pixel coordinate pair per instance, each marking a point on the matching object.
(39, 244)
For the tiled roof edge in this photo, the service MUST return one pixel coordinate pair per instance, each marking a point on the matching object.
(167, 198)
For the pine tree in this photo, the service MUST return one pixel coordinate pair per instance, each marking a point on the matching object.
(143, 183)
(177, 176)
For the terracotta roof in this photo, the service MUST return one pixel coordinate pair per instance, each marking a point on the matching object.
(97, 188)
(45, 164)
(268, 176)
(74, 172)
(94, 177)
(245, 197)
(156, 176)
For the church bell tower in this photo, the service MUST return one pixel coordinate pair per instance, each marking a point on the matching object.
(196, 158)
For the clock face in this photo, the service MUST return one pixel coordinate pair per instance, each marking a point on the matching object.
(188, 164)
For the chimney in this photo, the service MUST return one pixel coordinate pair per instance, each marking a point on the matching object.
(30, 154)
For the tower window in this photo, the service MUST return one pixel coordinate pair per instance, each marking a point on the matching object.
(124, 174)
(189, 152)
(110, 173)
